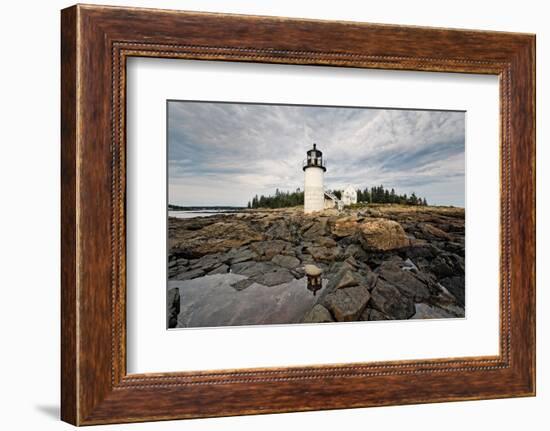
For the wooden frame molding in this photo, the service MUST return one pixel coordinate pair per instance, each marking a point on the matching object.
(95, 43)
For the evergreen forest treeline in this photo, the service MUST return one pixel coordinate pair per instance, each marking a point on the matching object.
(375, 195)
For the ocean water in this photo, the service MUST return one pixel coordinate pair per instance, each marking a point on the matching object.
(193, 214)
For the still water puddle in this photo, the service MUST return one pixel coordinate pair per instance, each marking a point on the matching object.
(212, 301)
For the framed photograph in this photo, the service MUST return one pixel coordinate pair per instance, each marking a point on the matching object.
(264, 214)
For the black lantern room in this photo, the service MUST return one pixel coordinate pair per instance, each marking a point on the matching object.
(314, 159)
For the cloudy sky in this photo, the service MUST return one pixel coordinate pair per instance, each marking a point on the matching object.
(225, 153)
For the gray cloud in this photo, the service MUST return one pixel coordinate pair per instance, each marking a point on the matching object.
(225, 153)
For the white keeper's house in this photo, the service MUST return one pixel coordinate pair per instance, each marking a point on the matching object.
(349, 196)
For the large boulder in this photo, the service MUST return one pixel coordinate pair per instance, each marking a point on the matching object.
(345, 226)
(346, 305)
(382, 235)
(389, 300)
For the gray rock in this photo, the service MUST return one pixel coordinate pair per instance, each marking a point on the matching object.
(325, 254)
(424, 251)
(454, 309)
(441, 267)
(455, 247)
(182, 261)
(389, 300)
(433, 232)
(289, 262)
(266, 250)
(425, 311)
(371, 278)
(279, 230)
(405, 281)
(455, 285)
(274, 278)
(222, 269)
(443, 297)
(325, 241)
(395, 259)
(252, 269)
(349, 279)
(318, 314)
(242, 284)
(298, 272)
(347, 304)
(334, 274)
(176, 266)
(342, 266)
(356, 251)
(241, 254)
(371, 314)
(173, 306)
(316, 230)
(352, 262)
(208, 262)
(409, 265)
(189, 275)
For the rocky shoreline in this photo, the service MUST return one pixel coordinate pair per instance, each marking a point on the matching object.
(378, 262)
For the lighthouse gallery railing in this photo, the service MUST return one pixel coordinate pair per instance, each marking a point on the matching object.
(321, 162)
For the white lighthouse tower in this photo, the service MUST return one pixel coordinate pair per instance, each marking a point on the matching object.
(314, 171)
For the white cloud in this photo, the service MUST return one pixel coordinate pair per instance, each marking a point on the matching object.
(223, 154)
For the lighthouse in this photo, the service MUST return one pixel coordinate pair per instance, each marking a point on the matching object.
(314, 171)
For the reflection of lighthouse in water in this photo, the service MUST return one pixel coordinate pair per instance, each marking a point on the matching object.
(314, 170)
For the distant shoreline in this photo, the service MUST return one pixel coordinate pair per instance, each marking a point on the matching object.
(204, 208)
(219, 208)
